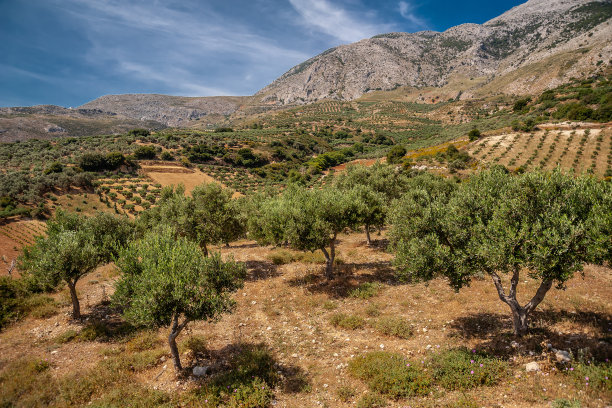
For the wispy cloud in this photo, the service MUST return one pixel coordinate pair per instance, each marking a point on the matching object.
(153, 42)
(336, 21)
(407, 11)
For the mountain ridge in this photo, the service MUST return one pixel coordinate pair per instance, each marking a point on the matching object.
(428, 58)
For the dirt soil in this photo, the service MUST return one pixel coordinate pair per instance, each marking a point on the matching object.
(288, 308)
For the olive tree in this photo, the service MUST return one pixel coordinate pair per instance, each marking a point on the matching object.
(167, 281)
(545, 224)
(374, 187)
(210, 216)
(307, 220)
(73, 247)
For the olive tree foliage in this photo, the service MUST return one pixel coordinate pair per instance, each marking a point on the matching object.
(167, 281)
(306, 220)
(73, 247)
(545, 224)
(209, 216)
(374, 188)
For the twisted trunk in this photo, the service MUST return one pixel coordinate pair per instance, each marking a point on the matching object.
(76, 306)
(175, 330)
(520, 314)
(329, 258)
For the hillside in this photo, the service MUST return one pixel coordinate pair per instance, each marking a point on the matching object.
(50, 121)
(505, 53)
(175, 111)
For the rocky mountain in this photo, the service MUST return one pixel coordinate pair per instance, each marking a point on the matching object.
(172, 111)
(49, 121)
(536, 32)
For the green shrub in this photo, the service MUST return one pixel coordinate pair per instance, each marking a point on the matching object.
(460, 369)
(345, 393)
(371, 400)
(394, 326)
(390, 374)
(345, 321)
(197, 344)
(596, 375)
(565, 403)
(366, 290)
(17, 301)
(248, 382)
(27, 383)
(142, 341)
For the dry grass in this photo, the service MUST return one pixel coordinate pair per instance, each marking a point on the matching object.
(289, 308)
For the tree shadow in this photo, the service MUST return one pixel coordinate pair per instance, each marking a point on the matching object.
(104, 323)
(258, 270)
(345, 281)
(494, 332)
(239, 364)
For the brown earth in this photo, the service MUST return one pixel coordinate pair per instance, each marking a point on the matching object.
(288, 307)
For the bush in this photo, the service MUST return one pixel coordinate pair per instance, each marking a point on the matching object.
(17, 301)
(55, 167)
(474, 134)
(460, 369)
(144, 152)
(394, 326)
(139, 132)
(396, 154)
(248, 381)
(371, 400)
(351, 322)
(366, 290)
(390, 374)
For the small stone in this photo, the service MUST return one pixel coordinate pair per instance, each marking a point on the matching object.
(532, 367)
(269, 328)
(563, 356)
(162, 359)
(294, 355)
(514, 344)
(325, 385)
(382, 346)
(428, 347)
(199, 371)
(253, 302)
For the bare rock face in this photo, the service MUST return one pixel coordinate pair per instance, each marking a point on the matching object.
(166, 109)
(526, 34)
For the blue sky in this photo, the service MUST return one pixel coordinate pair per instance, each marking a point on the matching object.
(67, 52)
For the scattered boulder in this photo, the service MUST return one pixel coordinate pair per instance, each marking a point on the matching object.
(532, 367)
(199, 371)
(563, 356)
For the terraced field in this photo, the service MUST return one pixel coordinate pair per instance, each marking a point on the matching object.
(14, 235)
(580, 149)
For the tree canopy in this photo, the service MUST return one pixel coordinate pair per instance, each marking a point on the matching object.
(167, 281)
(548, 224)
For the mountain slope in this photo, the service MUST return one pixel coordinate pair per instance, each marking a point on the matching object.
(166, 109)
(526, 34)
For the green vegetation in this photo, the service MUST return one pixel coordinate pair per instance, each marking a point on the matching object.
(74, 246)
(167, 281)
(496, 223)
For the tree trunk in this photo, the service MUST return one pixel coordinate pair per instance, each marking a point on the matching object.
(367, 230)
(519, 321)
(175, 330)
(329, 258)
(204, 248)
(520, 315)
(76, 306)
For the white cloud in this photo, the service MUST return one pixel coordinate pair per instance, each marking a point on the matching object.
(407, 11)
(337, 22)
(152, 42)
